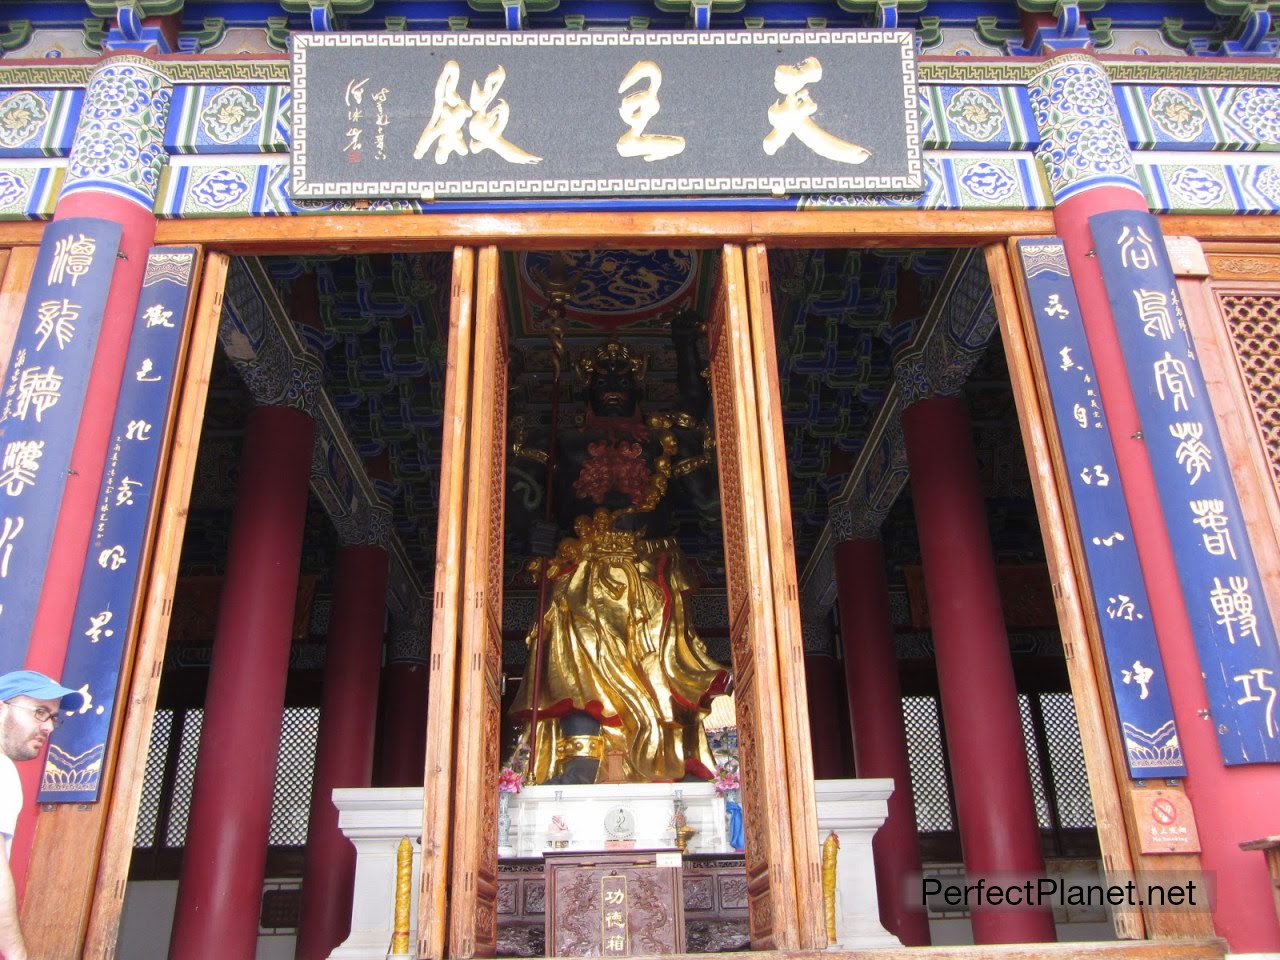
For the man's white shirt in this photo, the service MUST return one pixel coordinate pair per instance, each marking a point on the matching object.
(10, 800)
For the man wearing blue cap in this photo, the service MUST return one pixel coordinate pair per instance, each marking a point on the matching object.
(30, 705)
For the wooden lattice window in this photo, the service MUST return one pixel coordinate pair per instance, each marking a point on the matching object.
(160, 834)
(1055, 761)
(1253, 321)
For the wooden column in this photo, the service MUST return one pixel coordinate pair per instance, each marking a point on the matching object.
(402, 752)
(827, 716)
(222, 867)
(994, 804)
(344, 744)
(879, 731)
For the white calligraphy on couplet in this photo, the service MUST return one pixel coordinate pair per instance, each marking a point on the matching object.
(1109, 541)
(1171, 376)
(1137, 249)
(1259, 675)
(638, 109)
(793, 115)
(1095, 474)
(124, 496)
(144, 374)
(72, 258)
(1210, 516)
(97, 626)
(137, 430)
(1192, 452)
(12, 527)
(1154, 312)
(1233, 605)
(57, 319)
(1141, 675)
(21, 462)
(158, 316)
(113, 558)
(1121, 607)
(485, 120)
(38, 391)
(1055, 308)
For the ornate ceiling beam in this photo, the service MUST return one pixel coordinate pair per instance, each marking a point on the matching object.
(935, 361)
(271, 358)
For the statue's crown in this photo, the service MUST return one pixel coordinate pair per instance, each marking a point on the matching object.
(610, 355)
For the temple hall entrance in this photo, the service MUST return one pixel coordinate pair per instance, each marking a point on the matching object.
(745, 427)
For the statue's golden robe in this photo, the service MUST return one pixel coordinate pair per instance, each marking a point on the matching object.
(620, 645)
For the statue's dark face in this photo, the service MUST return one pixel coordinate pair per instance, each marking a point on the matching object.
(613, 391)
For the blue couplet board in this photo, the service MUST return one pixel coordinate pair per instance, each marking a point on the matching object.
(1134, 666)
(1234, 633)
(44, 393)
(107, 606)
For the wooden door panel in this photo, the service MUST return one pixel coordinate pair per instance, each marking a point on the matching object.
(789, 643)
(473, 919)
(118, 810)
(433, 905)
(766, 814)
(1249, 339)
(16, 267)
(1086, 662)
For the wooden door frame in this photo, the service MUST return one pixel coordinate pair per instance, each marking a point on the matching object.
(473, 920)
(443, 232)
(1095, 713)
(438, 763)
(144, 660)
(17, 265)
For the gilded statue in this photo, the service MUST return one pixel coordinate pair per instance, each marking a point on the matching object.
(624, 673)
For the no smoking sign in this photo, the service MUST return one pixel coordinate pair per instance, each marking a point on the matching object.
(1166, 823)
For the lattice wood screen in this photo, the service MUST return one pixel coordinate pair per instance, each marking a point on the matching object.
(1253, 320)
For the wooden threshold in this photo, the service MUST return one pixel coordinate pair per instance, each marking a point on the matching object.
(1211, 949)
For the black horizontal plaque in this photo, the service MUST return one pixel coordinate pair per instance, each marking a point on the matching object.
(528, 114)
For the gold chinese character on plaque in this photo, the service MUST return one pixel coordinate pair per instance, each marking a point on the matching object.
(638, 109)
(485, 119)
(793, 115)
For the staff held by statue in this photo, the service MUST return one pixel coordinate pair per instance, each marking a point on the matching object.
(557, 287)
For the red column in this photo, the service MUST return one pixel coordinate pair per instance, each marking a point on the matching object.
(226, 850)
(344, 757)
(403, 747)
(998, 829)
(826, 718)
(879, 733)
(1232, 804)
